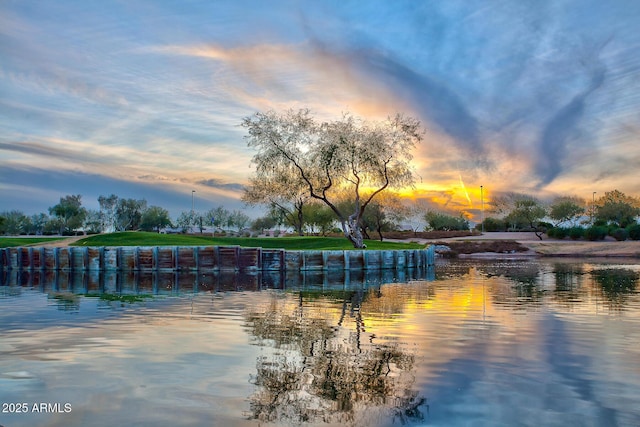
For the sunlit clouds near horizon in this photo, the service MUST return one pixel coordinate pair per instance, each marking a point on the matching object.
(145, 99)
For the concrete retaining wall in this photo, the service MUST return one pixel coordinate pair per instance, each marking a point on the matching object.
(208, 258)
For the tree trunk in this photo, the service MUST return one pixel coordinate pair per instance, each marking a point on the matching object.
(300, 224)
(352, 232)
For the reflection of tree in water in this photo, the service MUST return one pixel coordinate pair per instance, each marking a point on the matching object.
(317, 372)
(567, 280)
(616, 284)
(525, 278)
(65, 301)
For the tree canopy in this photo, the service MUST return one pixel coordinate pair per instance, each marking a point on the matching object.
(70, 213)
(348, 155)
(566, 210)
(617, 208)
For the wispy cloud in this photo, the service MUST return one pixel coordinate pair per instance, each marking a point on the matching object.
(216, 183)
(529, 96)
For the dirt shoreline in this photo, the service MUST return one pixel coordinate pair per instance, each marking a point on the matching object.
(547, 247)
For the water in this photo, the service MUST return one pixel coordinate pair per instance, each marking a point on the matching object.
(481, 343)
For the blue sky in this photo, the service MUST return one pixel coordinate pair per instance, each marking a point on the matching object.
(144, 98)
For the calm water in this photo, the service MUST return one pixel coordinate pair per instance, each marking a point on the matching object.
(481, 343)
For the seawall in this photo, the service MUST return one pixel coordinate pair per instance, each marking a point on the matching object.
(208, 258)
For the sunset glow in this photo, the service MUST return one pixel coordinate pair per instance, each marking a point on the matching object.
(145, 100)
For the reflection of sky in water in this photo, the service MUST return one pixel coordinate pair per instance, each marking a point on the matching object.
(488, 343)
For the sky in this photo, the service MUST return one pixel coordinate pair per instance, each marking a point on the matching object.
(144, 99)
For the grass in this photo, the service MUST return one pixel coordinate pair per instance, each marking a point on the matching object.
(290, 243)
(9, 242)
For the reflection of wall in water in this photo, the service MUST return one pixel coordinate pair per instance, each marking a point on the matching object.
(174, 282)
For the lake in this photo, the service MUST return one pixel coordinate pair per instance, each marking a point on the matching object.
(475, 343)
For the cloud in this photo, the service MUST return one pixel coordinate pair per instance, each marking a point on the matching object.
(558, 134)
(216, 183)
(432, 99)
(171, 194)
(267, 76)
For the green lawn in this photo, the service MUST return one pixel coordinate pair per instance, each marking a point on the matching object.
(291, 243)
(9, 242)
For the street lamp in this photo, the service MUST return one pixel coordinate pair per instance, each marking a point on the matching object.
(192, 205)
(593, 207)
(482, 202)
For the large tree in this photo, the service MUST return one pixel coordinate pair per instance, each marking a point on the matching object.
(348, 155)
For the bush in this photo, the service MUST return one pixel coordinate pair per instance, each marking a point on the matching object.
(620, 234)
(558, 233)
(494, 224)
(634, 231)
(576, 233)
(597, 232)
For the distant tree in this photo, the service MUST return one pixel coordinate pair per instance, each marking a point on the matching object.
(566, 210)
(155, 218)
(319, 218)
(93, 222)
(37, 223)
(438, 221)
(70, 213)
(218, 217)
(350, 155)
(239, 219)
(617, 208)
(503, 204)
(385, 214)
(187, 220)
(129, 213)
(519, 211)
(493, 224)
(13, 222)
(263, 223)
(53, 226)
(530, 211)
(414, 217)
(282, 191)
(108, 212)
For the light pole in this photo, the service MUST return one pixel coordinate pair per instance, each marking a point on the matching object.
(593, 208)
(192, 199)
(482, 202)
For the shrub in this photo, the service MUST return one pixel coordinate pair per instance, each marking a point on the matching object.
(597, 232)
(634, 231)
(620, 234)
(494, 224)
(576, 233)
(558, 232)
